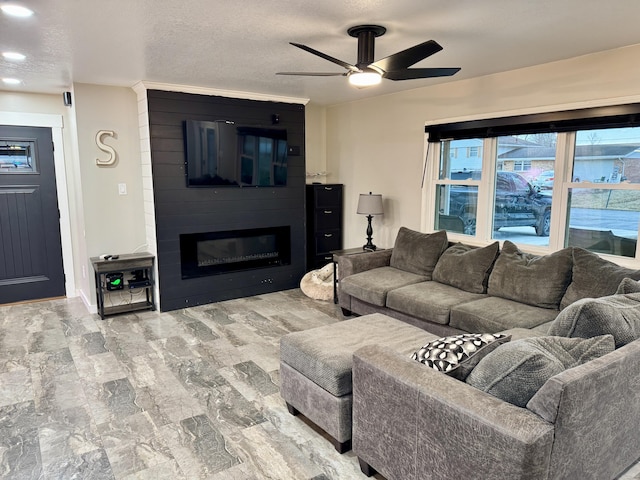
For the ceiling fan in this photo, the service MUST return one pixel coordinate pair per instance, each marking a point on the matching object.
(367, 72)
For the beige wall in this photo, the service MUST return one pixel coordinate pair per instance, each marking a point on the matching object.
(315, 141)
(383, 152)
(114, 223)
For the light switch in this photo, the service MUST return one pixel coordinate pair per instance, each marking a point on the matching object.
(122, 188)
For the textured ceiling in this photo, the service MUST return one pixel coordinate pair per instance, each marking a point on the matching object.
(240, 45)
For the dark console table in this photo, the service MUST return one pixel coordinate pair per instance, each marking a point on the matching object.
(134, 272)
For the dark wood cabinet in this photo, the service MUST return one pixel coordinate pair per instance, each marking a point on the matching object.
(324, 223)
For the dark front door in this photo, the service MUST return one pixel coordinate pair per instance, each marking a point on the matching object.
(30, 248)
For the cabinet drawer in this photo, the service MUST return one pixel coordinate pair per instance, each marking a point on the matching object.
(328, 219)
(327, 241)
(328, 196)
(320, 261)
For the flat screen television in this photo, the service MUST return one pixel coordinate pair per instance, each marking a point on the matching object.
(222, 153)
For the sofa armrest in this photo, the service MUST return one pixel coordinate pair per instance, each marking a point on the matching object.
(356, 263)
(360, 262)
(597, 414)
(410, 421)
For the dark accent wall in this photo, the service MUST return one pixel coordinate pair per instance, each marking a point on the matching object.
(179, 209)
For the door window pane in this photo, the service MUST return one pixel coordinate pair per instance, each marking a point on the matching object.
(522, 212)
(17, 157)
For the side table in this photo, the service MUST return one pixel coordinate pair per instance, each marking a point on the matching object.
(336, 254)
(133, 271)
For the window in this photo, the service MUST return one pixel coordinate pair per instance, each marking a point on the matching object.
(17, 157)
(522, 213)
(457, 190)
(603, 215)
(457, 208)
(522, 165)
(548, 180)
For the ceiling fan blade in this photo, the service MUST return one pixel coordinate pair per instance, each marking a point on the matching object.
(416, 73)
(346, 65)
(314, 74)
(408, 57)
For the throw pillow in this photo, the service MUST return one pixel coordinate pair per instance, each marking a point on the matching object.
(628, 285)
(535, 280)
(594, 277)
(516, 371)
(459, 354)
(417, 252)
(466, 267)
(617, 315)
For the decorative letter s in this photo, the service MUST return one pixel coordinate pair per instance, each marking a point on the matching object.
(106, 148)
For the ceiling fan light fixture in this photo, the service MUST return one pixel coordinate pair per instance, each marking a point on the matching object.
(366, 78)
(366, 72)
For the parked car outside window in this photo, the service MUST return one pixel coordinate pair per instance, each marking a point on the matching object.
(517, 204)
(544, 181)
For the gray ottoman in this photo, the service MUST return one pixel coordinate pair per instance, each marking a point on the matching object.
(315, 367)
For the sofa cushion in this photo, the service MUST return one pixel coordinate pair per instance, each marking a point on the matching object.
(535, 280)
(457, 355)
(466, 267)
(618, 315)
(430, 301)
(628, 285)
(418, 252)
(594, 277)
(516, 370)
(372, 286)
(494, 314)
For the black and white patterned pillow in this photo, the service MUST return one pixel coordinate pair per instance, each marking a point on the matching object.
(458, 354)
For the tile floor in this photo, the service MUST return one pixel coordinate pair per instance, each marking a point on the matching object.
(190, 394)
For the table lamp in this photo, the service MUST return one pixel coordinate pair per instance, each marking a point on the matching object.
(370, 204)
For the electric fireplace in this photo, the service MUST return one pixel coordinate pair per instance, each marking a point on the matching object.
(216, 253)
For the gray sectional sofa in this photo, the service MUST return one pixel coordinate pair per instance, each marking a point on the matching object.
(558, 396)
(412, 422)
(449, 289)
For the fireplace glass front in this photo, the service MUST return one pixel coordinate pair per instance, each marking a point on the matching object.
(215, 253)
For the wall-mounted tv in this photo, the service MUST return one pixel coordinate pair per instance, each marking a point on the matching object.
(222, 153)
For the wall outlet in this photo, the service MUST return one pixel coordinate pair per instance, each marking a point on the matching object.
(122, 189)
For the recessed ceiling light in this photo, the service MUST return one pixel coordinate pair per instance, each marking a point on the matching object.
(11, 81)
(13, 56)
(16, 10)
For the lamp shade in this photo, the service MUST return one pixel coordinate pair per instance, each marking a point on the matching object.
(370, 204)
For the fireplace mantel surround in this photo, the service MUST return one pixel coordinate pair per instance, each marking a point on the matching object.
(173, 210)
